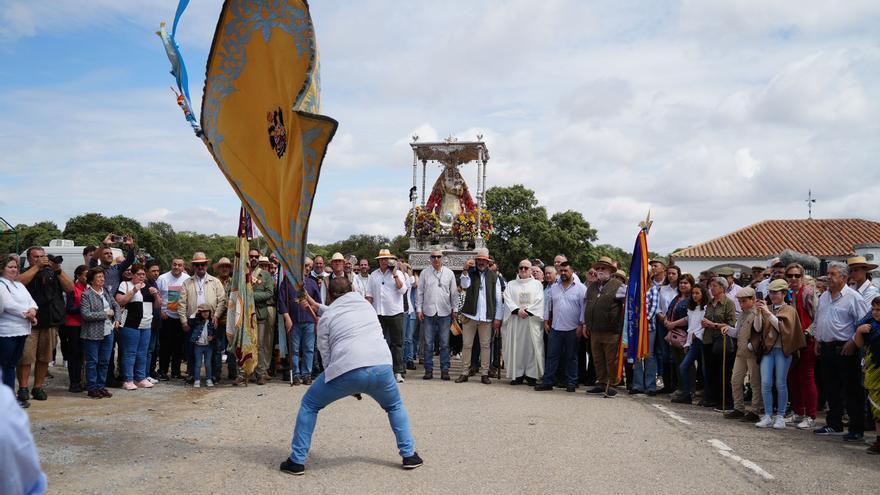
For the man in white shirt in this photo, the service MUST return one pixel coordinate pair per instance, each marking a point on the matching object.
(840, 307)
(482, 309)
(858, 272)
(385, 291)
(362, 277)
(356, 361)
(436, 307)
(171, 338)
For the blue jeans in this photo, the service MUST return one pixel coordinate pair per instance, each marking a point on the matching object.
(97, 358)
(134, 343)
(203, 353)
(11, 349)
(561, 351)
(376, 381)
(302, 338)
(433, 327)
(410, 338)
(687, 364)
(774, 372)
(645, 375)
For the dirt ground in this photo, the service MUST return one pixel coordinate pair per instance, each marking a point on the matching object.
(474, 438)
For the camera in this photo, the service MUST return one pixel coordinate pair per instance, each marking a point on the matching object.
(55, 259)
(117, 238)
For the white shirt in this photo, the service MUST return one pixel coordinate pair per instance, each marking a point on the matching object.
(409, 307)
(667, 294)
(868, 292)
(387, 298)
(465, 281)
(695, 325)
(19, 461)
(170, 287)
(16, 301)
(350, 337)
(836, 317)
(360, 284)
(437, 293)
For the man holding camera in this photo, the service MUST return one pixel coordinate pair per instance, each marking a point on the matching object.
(482, 309)
(47, 284)
(385, 292)
(104, 259)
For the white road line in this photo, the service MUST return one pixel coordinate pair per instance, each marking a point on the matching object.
(672, 414)
(726, 451)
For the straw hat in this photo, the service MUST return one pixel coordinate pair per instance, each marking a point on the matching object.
(199, 257)
(859, 261)
(337, 256)
(604, 262)
(620, 274)
(483, 254)
(263, 259)
(224, 261)
(384, 254)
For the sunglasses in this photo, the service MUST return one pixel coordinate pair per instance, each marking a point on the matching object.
(525, 268)
(793, 275)
(435, 257)
(254, 257)
(200, 264)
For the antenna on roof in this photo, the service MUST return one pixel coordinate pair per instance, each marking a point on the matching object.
(810, 202)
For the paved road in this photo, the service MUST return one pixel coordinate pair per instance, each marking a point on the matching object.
(474, 438)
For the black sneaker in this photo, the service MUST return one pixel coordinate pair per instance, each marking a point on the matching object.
(570, 389)
(682, 399)
(23, 394)
(75, 388)
(596, 390)
(853, 437)
(635, 391)
(750, 417)
(412, 461)
(543, 387)
(39, 394)
(162, 377)
(611, 392)
(290, 467)
(735, 414)
(410, 365)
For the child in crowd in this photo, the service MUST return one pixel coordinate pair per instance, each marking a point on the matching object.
(202, 335)
(868, 336)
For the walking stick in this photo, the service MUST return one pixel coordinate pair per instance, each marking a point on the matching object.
(724, 373)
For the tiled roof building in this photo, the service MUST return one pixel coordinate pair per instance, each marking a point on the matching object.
(826, 239)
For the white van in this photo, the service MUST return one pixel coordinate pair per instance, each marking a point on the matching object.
(73, 255)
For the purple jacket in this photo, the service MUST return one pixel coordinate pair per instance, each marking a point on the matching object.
(288, 300)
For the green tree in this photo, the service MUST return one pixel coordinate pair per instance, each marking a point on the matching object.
(523, 230)
(38, 234)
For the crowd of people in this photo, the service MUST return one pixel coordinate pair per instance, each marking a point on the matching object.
(771, 347)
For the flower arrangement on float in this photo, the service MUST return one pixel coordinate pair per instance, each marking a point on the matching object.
(427, 228)
(464, 227)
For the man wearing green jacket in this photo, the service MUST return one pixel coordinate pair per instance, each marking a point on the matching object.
(264, 306)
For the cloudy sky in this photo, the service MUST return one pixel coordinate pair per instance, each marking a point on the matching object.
(713, 115)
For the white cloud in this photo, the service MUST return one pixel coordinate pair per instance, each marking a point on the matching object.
(712, 114)
(746, 165)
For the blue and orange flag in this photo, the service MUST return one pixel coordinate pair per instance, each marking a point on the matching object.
(636, 313)
(260, 118)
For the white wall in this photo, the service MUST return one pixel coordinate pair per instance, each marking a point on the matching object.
(694, 267)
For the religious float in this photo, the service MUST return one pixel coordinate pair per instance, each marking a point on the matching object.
(448, 219)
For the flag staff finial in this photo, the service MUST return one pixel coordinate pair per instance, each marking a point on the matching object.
(646, 223)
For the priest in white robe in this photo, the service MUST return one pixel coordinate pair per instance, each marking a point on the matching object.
(522, 341)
